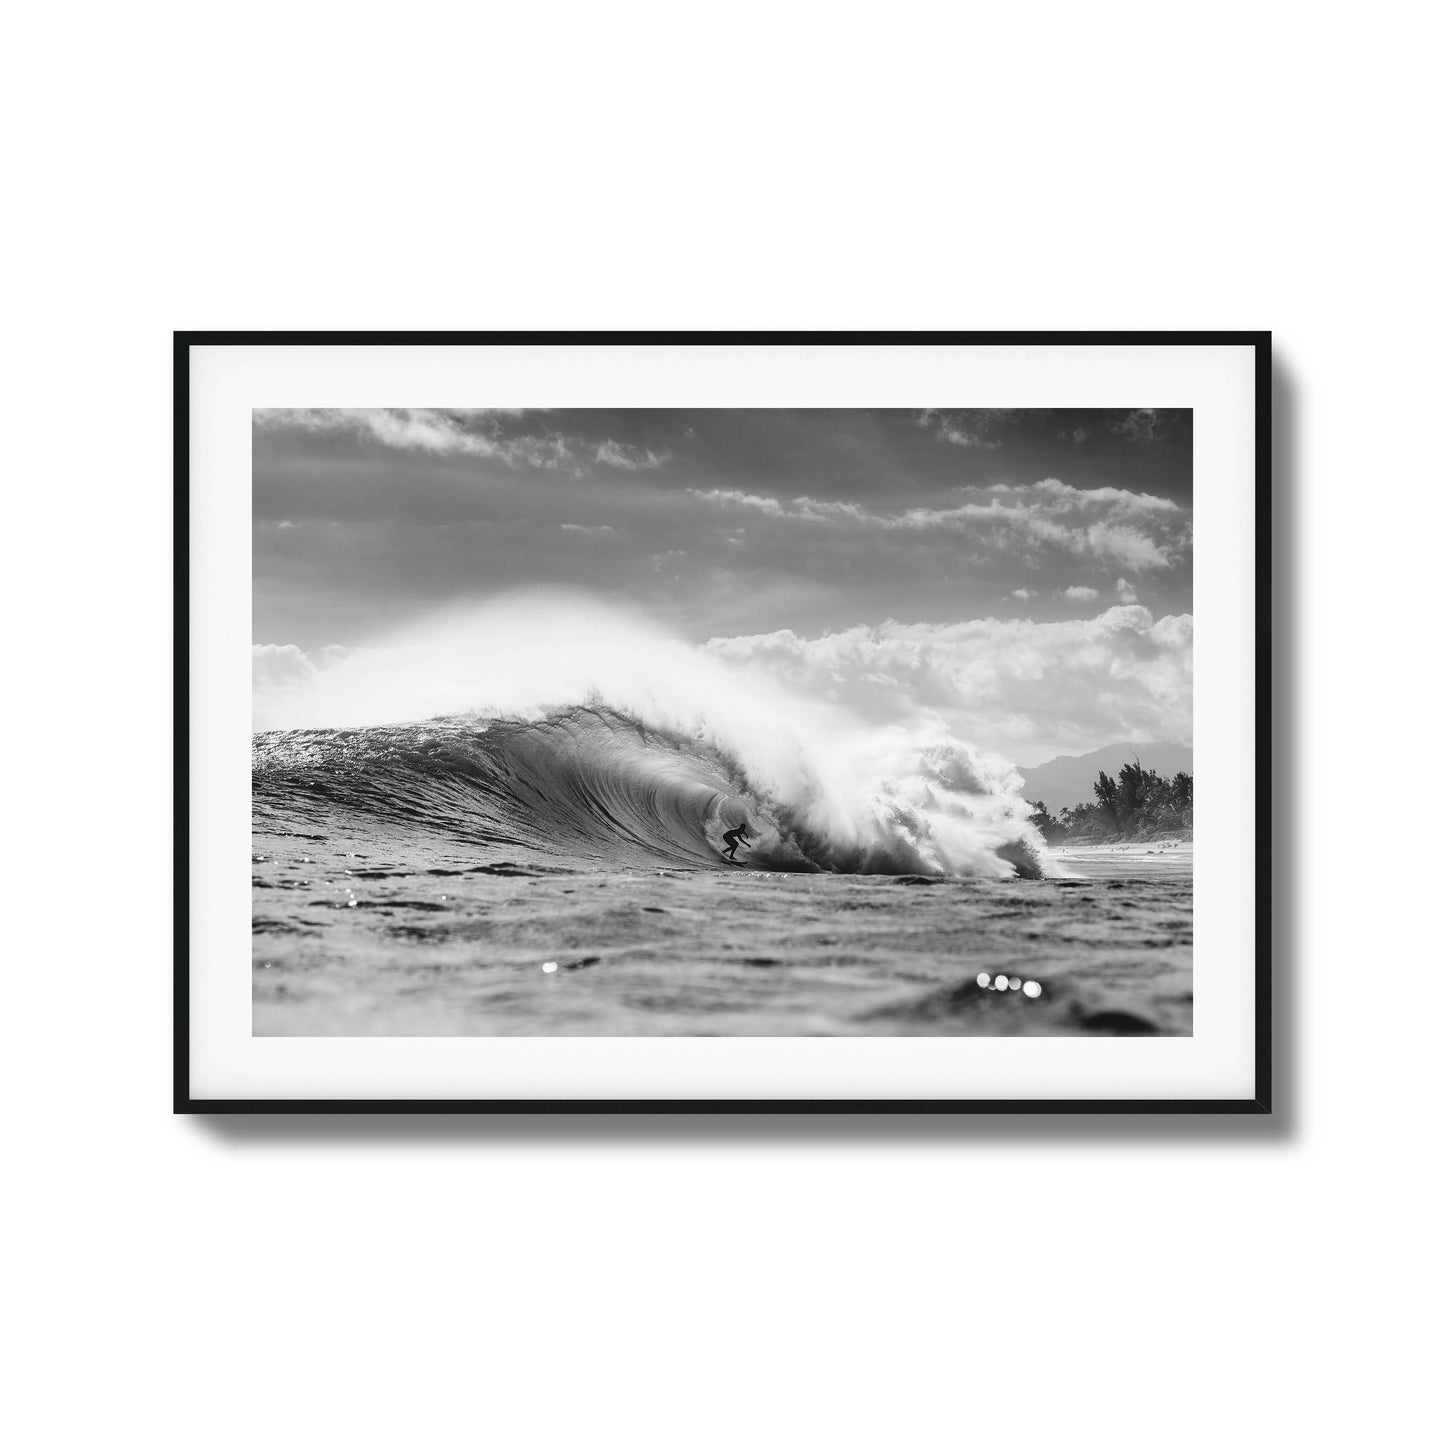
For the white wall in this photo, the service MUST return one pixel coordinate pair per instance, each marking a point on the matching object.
(1122, 166)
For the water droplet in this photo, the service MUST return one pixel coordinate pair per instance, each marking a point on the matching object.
(549, 968)
(984, 980)
(1014, 982)
(351, 903)
(1032, 989)
(1001, 983)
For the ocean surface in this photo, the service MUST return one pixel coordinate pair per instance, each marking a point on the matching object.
(563, 874)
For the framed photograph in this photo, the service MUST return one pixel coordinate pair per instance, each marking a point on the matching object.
(723, 722)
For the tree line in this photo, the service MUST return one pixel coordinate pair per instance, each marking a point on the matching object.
(1138, 804)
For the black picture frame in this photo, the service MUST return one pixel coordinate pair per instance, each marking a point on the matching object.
(1262, 1101)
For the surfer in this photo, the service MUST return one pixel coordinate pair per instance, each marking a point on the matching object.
(732, 838)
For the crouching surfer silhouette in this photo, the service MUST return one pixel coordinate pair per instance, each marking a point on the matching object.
(732, 838)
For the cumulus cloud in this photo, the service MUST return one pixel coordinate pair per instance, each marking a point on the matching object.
(601, 530)
(440, 433)
(277, 669)
(1023, 593)
(1081, 594)
(1023, 689)
(279, 665)
(1127, 545)
(1107, 525)
(627, 458)
(1126, 592)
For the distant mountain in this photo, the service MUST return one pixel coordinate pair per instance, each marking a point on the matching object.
(1065, 782)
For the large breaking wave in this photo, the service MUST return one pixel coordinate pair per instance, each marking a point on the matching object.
(572, 732)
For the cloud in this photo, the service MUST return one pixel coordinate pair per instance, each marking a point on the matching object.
(440, 433)
(1143, 425)
(1126, 592)
(1012, 686)
(1081, 594)
(631, 459)
(1110, 498)
(277, 669)
(601, 530)
(1127, 545)
(812, 510)
(729, 497)
(1024, 593)
(1079, 434)
(1110, 526)
(800, 509)
(279, 665)
(963, 429)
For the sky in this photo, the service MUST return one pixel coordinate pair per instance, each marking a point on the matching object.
(1028, 573)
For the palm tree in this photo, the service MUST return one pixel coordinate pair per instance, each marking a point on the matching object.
(1106, 790)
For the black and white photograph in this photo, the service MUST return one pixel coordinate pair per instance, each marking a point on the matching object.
(723, 721)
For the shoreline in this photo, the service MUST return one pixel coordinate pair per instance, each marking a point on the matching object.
(1168, 840)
